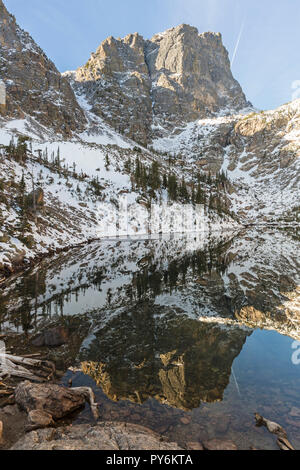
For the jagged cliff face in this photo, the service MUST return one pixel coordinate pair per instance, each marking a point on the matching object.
(191, 76)
(118, 87)
(34, 86)
(147, 88)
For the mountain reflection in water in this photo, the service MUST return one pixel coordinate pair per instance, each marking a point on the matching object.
(167, 319)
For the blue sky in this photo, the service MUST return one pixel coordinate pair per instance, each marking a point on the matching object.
(266, 61)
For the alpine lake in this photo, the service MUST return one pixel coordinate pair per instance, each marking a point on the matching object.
(188, 335)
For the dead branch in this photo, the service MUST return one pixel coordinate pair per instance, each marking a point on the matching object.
(89, 395)
(275, 428)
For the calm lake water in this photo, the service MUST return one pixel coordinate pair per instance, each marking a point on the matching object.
(189, 335)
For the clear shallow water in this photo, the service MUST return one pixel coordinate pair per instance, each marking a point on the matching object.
(189, 336)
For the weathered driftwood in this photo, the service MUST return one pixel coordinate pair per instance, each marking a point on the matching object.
(75, 370)
(284, 444)
(89, 395)
(13, 366)
(15, 370)
(275, 428)
(30, 361)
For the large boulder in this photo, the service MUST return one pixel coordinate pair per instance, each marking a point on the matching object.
(54, 337)
(53, 399)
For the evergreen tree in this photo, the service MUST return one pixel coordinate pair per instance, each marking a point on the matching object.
(21, 149)
(137, 173)
(107, 163)
(172, 187)
(165, 181)
(155, 181)
(58, 157)
(127, 165)
(200, 196)
(183, 190)
(22, 205)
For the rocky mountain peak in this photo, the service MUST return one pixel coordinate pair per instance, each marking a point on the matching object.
(146, 88)
(34, 86)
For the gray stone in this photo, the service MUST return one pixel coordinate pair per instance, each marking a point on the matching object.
(218, 444)
(40, 418)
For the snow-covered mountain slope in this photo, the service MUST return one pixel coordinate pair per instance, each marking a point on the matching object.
(91, 173)
(54, 148)
(259, 151)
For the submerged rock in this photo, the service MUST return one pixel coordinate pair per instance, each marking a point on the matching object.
(194, 446)
(218, 444)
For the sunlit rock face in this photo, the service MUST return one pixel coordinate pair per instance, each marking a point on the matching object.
(191, 76)
(147, 87)
(150, 352)
(33, 84)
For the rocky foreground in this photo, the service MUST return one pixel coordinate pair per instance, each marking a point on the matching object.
(36, 422)
(49, 410)
(103, 436)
